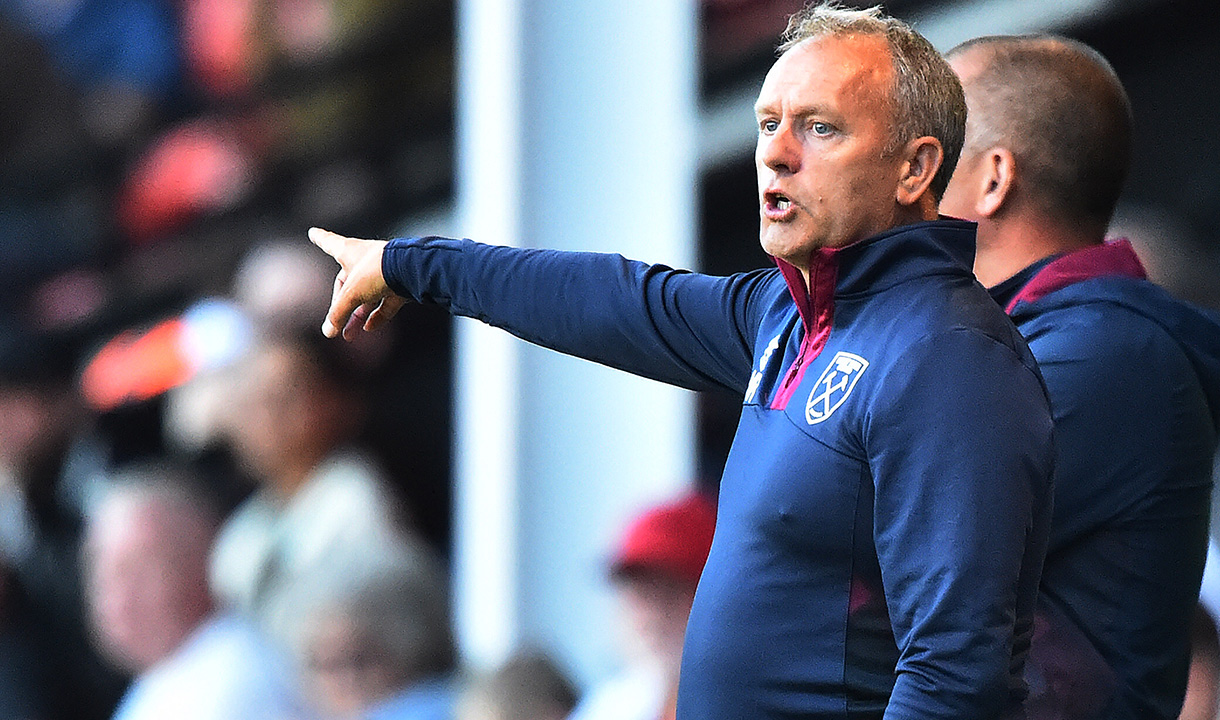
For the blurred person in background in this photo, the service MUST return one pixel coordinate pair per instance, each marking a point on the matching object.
(40, 418)
(296, 413)
(81, 83)
(107, 46)
(1133, 376)
(276, 284)
(152, 613)
(45, 470)
(24, 672)
(371, 634)
(53, 206)
(527, 686)
(655, 571)
(280, 284)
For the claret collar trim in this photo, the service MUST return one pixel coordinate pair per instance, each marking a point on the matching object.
(1114, 258)
(869, 265)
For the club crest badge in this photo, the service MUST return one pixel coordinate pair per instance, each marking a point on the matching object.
(833, 387)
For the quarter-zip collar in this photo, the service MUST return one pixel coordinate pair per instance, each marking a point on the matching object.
(868, 266)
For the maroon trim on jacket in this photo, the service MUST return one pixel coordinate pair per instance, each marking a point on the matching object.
(1116, 257)
(816, 306)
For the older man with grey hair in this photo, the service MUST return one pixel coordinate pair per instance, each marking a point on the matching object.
(370, 634)
(884, 508)
(145, 554)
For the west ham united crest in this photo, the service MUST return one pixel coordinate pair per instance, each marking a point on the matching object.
(834, 386)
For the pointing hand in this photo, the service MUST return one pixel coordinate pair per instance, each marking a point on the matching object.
(361, 297)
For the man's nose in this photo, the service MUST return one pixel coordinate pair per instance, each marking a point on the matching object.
(780, 150)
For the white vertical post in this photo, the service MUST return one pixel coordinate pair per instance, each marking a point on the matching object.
(576, 131)
(486, 466)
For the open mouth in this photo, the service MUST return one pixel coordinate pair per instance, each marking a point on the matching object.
(776, 202)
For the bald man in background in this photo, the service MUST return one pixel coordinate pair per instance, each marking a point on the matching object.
(1133, 376)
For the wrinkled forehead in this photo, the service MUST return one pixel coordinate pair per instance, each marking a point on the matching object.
(839, 68)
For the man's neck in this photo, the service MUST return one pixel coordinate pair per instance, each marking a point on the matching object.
(923, 211)
(291, 477)
(1005, 249)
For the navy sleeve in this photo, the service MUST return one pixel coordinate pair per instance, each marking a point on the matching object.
(959, 444)
(691, 330)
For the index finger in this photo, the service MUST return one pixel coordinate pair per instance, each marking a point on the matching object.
(331, 243)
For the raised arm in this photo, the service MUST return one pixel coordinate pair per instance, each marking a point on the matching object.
(687, 329)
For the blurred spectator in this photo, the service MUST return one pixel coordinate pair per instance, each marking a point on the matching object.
(371, 634)
(231, 46)
(146, 555)
(526, 687)
(278, 283)
(52, 216)
(1202, 700)
(284, 283)
(45, 468)
(655, 571)
(198, 167)
(106, 43)
(295, 415)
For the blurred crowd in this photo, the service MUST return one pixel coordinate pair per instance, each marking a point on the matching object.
(150, 148)
(291, 583)
(140, 137)
(202, 511)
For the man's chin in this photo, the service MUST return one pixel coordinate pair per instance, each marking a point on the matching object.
(783, 245)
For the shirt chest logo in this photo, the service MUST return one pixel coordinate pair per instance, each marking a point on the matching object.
(833, 387)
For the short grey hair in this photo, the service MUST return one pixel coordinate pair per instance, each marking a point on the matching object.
(528, 685)
(928, 98)
(164, 483)
(1060, 108)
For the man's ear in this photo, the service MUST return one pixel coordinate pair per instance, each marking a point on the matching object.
(996, 175)
(924, 157)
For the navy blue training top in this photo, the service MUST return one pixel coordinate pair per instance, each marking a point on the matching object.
(1134, 380)
(885, 506)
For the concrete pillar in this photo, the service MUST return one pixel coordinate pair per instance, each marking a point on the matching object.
(576, 125)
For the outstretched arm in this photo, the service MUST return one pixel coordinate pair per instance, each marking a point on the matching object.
(686, 329)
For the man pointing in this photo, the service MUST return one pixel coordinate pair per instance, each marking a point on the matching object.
(883, 512)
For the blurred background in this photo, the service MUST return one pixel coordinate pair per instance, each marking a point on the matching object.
(162, 160)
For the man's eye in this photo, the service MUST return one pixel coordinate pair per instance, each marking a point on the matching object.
(821, 128)
(769, 126)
